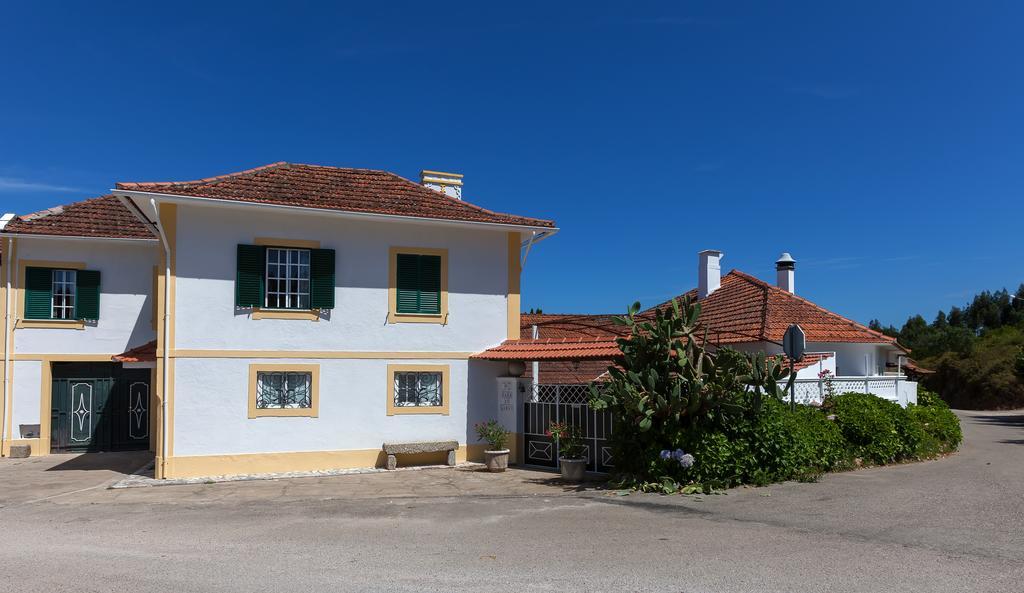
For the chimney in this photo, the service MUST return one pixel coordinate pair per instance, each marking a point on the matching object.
(785, 268)
(449, 184)
(709, 273)
(6, 218)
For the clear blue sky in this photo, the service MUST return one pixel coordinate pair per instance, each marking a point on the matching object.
(879, 142)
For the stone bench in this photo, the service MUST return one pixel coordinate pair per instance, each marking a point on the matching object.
(393, 449)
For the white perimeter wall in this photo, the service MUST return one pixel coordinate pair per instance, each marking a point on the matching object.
(211, 408)
(206, 317)
(26, 391)
(126, 278)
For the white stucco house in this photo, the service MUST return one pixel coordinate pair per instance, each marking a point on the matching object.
(289, 317)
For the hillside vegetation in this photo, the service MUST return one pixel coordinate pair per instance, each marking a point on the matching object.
(977, 352)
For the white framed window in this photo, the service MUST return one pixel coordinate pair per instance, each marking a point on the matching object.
(418, 389)
(284, 390)
(287, 278)
(62, 300)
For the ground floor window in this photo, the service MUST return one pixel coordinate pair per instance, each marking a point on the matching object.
(417, 389)
(283, 390)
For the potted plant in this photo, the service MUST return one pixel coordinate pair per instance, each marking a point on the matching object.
(571, 450)
(496, 436)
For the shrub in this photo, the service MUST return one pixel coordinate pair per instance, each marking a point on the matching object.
(941, 428)
(876, 429)
(492, 432)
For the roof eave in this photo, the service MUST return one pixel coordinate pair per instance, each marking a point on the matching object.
(78, 237)
(547, 231)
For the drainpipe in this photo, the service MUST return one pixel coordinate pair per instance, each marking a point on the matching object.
(166, 336)
(7, 341)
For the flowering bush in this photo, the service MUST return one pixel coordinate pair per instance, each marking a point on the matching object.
(685, 460)
(492, 432)
(569, 439)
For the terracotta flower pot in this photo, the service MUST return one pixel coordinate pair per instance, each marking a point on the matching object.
(497, 461)
(572, 469)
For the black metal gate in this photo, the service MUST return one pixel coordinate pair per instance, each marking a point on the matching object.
(99, 407)
(565, 403)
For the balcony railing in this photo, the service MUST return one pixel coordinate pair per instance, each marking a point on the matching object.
(893, 388)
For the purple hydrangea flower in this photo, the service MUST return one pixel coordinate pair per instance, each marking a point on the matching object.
(666, 454)
(678, 454)
(686, 461)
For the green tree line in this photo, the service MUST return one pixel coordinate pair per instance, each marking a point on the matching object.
(976, 351)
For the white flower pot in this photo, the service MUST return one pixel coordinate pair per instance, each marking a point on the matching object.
(572, 469)
(497, 461)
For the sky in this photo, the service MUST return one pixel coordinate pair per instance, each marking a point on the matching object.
(881, 143)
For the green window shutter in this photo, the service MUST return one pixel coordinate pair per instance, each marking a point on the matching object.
(38, 297)
(87, 295)
(250, 271)
(321, 278)
(430, 284)
(418, 284)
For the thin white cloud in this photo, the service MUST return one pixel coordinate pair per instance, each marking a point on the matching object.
(10, 184)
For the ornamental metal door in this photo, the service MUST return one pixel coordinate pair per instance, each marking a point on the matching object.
(99, 407)
(565, 403)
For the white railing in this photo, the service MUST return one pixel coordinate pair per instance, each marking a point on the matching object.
(893, 388)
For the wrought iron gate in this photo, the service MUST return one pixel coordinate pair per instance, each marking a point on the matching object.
(565, 403)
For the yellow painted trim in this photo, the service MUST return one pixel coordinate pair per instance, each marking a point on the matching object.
(296, 243)
(311, 412)
(154, 313)
(429, 172)
(76, 324)
(443, 409)
(66, 357)
(393, 315)
(513, 302)
(45, 406)
(169, 221)
(200, 466)
(321, 354)
(33, 443)
(19, 296)
(298, 314)
(8, 372)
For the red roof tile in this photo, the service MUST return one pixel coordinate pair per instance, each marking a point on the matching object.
(333, 188)
(552, 349)
(104, 216)
(570, 372)
(746, 309)
(143, 353)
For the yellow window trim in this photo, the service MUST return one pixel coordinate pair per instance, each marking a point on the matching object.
(293, 243)
(393, 315)
(311, 412)
(445, 406)
(19, 296)
(298, 314)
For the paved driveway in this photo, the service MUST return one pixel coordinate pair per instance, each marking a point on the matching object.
(949, 525)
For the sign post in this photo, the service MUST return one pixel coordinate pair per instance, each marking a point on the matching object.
(794, 343)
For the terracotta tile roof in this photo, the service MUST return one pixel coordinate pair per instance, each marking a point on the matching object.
(570, 372)
(104, 216)
(571, 326)
(552, 349)
(809, 359)
(333, 188)
(747, 309)
(143, 353)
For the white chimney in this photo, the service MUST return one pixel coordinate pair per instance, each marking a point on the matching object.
(785, 269)
(709, 273)
(449, 184)
(6, 218)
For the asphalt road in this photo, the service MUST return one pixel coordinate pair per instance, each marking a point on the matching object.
(955, 524)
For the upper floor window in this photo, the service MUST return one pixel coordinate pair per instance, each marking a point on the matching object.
(61, 293)
(270, 277)
(287, 278)
(418, 285)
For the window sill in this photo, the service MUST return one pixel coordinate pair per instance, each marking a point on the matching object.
(76, 324)
(301, 315)
(401, 410)
(284, 412)
(440, 318)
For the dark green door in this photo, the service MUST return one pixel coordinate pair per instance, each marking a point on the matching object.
(99, 407)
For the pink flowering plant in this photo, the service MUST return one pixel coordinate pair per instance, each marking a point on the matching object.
(569, 439)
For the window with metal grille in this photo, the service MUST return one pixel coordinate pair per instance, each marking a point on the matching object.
(283, 390)
(413, 389)
(287, 278)
(62, 299)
